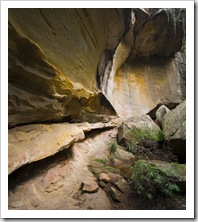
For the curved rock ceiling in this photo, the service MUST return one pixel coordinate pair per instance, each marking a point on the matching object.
(78, 65)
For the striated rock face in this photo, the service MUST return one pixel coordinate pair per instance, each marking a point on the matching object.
(31, 143)
(144, 71)
(140, 85)
(35, 142)
(53, 59)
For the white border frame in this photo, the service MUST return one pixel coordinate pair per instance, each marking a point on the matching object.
(189, 212)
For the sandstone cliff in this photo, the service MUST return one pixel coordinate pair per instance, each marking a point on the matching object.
(74, 77)
(85, 64)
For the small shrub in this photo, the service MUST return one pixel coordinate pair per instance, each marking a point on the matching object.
(112, 148)
(150, 181)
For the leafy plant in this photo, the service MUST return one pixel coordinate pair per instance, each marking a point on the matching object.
(150, 181)
(112, 148)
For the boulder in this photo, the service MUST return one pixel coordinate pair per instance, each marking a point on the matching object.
(87, 188)
(150, 75)
(136, 130)
(115, 194)
(102, 184)
(123, 186)
(162, 28)
(114, 177)
(174, 128)
(104, 177)
(160, 113)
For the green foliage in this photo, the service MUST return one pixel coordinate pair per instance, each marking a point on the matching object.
(150, 181)
(140, 135)
(112, 148)
(103, 161)
(129, 146)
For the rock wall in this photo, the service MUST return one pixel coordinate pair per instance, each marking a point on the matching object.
(53, 59)
(72, 72)
(78, 65)
(145, 70)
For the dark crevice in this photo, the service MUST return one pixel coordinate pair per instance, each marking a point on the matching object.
(64, 119)
(152, 112)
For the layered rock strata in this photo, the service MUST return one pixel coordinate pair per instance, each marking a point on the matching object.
(31, 143)
(60, 59)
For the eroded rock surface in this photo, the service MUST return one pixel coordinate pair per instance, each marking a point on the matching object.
(174, 128)
(34, 142)
(53, 62)
(161, 112)
(59, 57)
(59, 179)
(143, 71)
(136, 130)
(83, 67)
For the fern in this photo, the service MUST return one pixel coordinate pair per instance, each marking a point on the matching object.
(150, 181)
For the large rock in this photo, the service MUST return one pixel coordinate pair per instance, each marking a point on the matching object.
(123, 186)
(115, 194)
(136, 130)
(174, 128)
(34, 142)
(142, 73)
(87, 188)
(53, 60)
(161, 112)
(104, 177)
(31, 143)
(157, 32)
